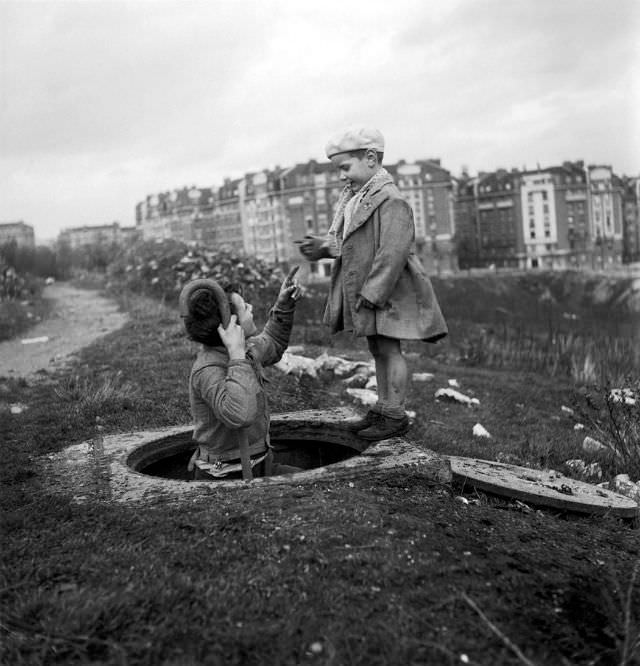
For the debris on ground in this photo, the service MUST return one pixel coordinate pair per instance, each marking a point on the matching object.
(624, 395)
(365, 396)
(293, 364)
(592, 445)
(455, 396)
(422, 377)
(32, 341)
(584, 471)
(480, 431)
(623, 485)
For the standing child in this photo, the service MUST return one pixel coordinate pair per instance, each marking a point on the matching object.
(378, 287)
(226, 383)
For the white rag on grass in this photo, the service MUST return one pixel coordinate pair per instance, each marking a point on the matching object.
(480, 431)
(455, 396)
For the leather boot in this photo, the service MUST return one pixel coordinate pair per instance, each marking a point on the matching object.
(367, 420)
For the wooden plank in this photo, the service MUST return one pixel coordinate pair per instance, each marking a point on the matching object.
(540, 487)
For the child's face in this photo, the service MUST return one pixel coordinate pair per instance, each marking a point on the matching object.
(244, 312)
(355, 169)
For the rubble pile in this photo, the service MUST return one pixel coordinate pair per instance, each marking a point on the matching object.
(162, 268)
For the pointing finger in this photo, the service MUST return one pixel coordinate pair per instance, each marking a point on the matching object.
(292, 272)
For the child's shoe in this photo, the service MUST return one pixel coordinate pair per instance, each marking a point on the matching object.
(367, 420)
(385, 427)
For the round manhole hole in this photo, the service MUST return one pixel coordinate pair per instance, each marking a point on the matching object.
(168, 457)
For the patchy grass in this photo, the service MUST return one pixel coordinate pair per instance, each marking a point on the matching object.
(17, 317)
(365, 572)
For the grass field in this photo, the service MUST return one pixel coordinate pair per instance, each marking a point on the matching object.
(391, 571)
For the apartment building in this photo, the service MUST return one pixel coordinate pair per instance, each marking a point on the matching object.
(19, 232)
(184, 215)
(428, 188)
(264, 225)
(309, 192)
(605, 191)
(567, 216)
(264, 212)
(102, 234)
(227, 231)
(631, 220)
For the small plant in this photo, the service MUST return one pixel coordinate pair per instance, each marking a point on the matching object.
(613, 415)
(92, 394)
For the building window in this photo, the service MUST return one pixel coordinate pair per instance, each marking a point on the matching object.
(532, 234)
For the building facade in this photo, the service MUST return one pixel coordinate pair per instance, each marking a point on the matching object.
(561, 217)
(19, 232)
(567, 216)
(263, 213)
(105, 234)
(631, 220)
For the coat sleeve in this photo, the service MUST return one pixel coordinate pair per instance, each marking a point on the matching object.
(268, 346)
(397, 233)
(230, 392)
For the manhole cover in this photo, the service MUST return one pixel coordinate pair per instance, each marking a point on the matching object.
(541, 487)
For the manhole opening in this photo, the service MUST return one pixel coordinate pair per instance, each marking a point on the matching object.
(168, 457)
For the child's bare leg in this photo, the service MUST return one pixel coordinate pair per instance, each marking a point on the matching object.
(381, 368)
(391, 374)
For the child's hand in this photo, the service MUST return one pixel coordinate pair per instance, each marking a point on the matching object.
(312, 247)
(233, 338)
(290, 291)
(362, 302)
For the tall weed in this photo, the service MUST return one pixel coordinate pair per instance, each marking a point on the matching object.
(92, 395)
(613, 415)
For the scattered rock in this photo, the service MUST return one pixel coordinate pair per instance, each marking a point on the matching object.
(372, 383)
(453, 382)
(567, 410)
(624, 395)
(480, 431)
(584, 471)
(292, 364)
(31, 341)
(591, 445)
(578, 426)
(422, 377)
(455, 396)
(365, 396)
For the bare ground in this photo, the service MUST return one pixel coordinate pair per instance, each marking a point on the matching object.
(78, 317)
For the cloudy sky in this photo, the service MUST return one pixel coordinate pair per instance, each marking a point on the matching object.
(104, 102)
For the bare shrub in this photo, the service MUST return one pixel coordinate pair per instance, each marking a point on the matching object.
(613, 415)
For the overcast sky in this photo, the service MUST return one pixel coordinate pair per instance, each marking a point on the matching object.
(102, 103)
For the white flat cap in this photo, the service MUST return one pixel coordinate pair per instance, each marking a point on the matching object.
(355, 138)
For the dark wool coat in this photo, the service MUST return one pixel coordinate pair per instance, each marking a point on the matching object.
(377, 261)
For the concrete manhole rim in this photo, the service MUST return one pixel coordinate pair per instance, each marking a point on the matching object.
(105, 462)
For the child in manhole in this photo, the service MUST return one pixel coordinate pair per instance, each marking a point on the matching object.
(226, 385)
(379, 289)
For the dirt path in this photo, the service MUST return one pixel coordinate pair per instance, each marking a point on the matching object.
(78, 317)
